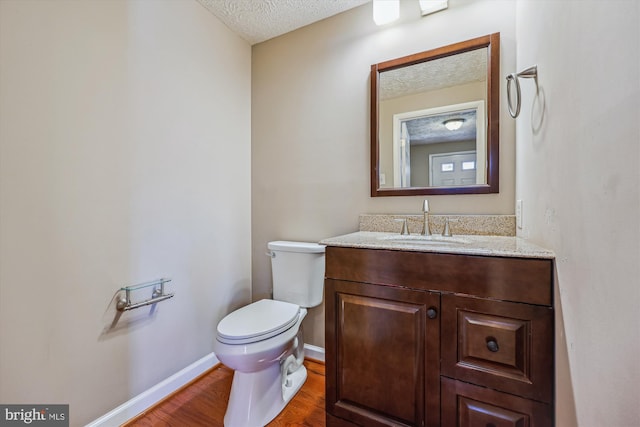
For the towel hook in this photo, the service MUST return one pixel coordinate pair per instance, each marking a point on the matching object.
(531, 72)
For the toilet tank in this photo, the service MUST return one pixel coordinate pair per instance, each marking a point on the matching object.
(297, 269)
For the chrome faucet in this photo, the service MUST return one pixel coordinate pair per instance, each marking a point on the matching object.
(426, 230)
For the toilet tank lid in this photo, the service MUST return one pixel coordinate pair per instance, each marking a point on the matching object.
(286, 246)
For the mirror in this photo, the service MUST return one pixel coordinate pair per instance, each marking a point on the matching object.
(435, 121)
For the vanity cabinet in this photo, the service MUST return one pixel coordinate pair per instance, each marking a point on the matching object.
(433, 339)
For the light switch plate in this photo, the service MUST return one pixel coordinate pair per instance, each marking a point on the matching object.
(519, 214)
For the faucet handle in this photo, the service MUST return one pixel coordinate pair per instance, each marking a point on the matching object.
(425, 206)
(446, 231)
(405, 227)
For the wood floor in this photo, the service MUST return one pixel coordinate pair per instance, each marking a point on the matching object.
(204, 401)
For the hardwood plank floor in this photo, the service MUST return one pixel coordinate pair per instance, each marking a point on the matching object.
(204, 401)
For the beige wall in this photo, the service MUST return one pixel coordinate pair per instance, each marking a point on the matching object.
(310, 125)
(124, 157)
(577, 174)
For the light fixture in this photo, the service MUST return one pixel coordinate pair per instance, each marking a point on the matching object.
(385, 11)
(432, 6)
(453, 124)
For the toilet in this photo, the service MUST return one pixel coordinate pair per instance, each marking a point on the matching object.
(263, 341)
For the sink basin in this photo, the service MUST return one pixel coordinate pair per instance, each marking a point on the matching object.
(423, 240)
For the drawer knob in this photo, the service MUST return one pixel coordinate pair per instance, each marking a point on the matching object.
(432, 313)
(492, 344)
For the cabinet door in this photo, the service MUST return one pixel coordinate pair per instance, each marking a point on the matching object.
(383, 352)
(467, 405)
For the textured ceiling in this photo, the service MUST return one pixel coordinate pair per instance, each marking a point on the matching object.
(260, 20)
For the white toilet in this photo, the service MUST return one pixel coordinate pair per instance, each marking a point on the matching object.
(263, 341)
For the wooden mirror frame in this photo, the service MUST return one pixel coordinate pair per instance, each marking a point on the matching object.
(492, 43)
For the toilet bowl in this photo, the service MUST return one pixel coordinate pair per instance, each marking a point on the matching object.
(267, 359)
(263, 341)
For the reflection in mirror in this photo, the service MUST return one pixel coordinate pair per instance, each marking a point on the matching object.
(434, 121)
(438, 147)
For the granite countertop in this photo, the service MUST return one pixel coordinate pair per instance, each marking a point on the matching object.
(504, 246)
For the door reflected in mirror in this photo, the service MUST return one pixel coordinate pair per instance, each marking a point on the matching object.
(434, 121)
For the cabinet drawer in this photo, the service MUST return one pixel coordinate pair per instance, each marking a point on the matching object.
(466, 405)
(502, 345)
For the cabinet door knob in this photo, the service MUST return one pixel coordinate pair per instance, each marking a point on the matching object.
(492, 344)
(432, 313)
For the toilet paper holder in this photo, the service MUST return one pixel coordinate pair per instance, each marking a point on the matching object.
(124, 302)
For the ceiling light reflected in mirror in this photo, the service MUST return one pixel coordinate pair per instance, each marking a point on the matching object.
(453, 124)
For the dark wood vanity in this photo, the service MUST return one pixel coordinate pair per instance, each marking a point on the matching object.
(438, 339)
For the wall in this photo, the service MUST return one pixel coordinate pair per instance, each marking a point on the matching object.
(310, 125)
(124, 157)
(577, 174)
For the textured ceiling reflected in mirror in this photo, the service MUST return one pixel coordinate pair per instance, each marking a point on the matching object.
(432, 75)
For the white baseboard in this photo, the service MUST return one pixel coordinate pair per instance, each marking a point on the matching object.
(155, 394)
(150, 397)
(314, 352)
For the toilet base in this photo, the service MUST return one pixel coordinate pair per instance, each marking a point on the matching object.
(258, 397)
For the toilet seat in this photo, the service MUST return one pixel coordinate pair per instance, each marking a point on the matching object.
(257, 321)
